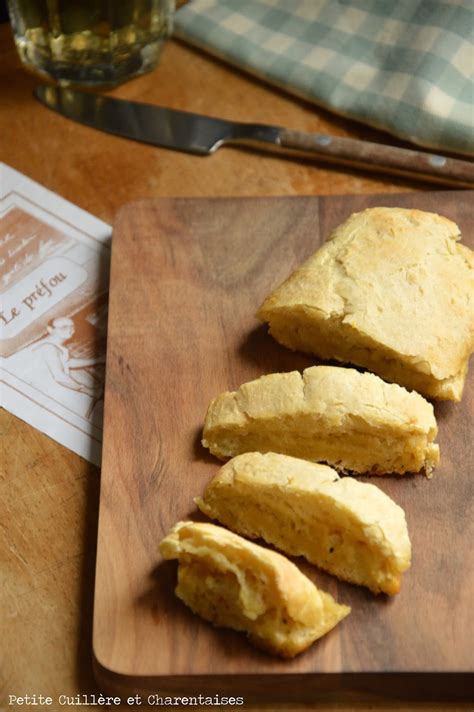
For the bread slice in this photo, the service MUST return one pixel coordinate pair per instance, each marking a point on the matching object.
(234, 583)
(353, 421)
(392, 291)
(348, 528)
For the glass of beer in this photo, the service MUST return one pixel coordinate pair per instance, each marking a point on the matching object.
(90, 42)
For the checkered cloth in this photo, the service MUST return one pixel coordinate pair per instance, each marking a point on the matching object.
(404, 66)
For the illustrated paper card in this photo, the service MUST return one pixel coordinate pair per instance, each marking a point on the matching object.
(54, 274)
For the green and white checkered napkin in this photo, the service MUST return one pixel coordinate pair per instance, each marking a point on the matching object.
(404, 66)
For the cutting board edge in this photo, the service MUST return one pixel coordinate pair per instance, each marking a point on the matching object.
(126, 207)
(423, 686)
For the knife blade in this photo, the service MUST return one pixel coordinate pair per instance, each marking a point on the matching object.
(203, 135)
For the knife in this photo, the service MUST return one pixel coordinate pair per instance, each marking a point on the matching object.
(202, 135)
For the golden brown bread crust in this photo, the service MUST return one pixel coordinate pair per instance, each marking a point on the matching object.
(234, 583)
(392, 291)
(353, 421)
(349, 528)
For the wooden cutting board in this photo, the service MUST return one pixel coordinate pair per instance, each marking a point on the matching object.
(187, 278)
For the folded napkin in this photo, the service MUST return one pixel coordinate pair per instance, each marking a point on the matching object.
(405, 67)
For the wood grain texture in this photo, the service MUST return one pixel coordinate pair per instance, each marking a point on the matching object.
(187, 277)
(389, 159)
(48, 537)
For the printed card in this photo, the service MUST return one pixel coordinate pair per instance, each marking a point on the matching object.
(54, 273)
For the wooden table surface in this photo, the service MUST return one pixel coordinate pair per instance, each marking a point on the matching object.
(49, 495)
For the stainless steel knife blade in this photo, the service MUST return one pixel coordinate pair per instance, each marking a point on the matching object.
(169, 128)
(202, 135)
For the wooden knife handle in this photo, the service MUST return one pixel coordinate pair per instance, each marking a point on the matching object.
(380, 157)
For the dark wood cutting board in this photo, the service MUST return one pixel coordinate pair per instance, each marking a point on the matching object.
(187, 278)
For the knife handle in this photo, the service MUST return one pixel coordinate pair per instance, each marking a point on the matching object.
(380, 157)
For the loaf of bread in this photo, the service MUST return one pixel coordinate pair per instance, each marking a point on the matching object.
(348, 528)
(392, 291)
(353, 421)
(234, 583)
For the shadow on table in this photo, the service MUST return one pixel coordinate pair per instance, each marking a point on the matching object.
(84, 660)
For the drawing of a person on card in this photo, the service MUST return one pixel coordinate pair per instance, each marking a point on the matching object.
(56, 363)
(49, 365)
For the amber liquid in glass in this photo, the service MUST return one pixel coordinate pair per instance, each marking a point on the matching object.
(90, 41)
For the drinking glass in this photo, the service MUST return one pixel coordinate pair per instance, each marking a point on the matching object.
(90, 42)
